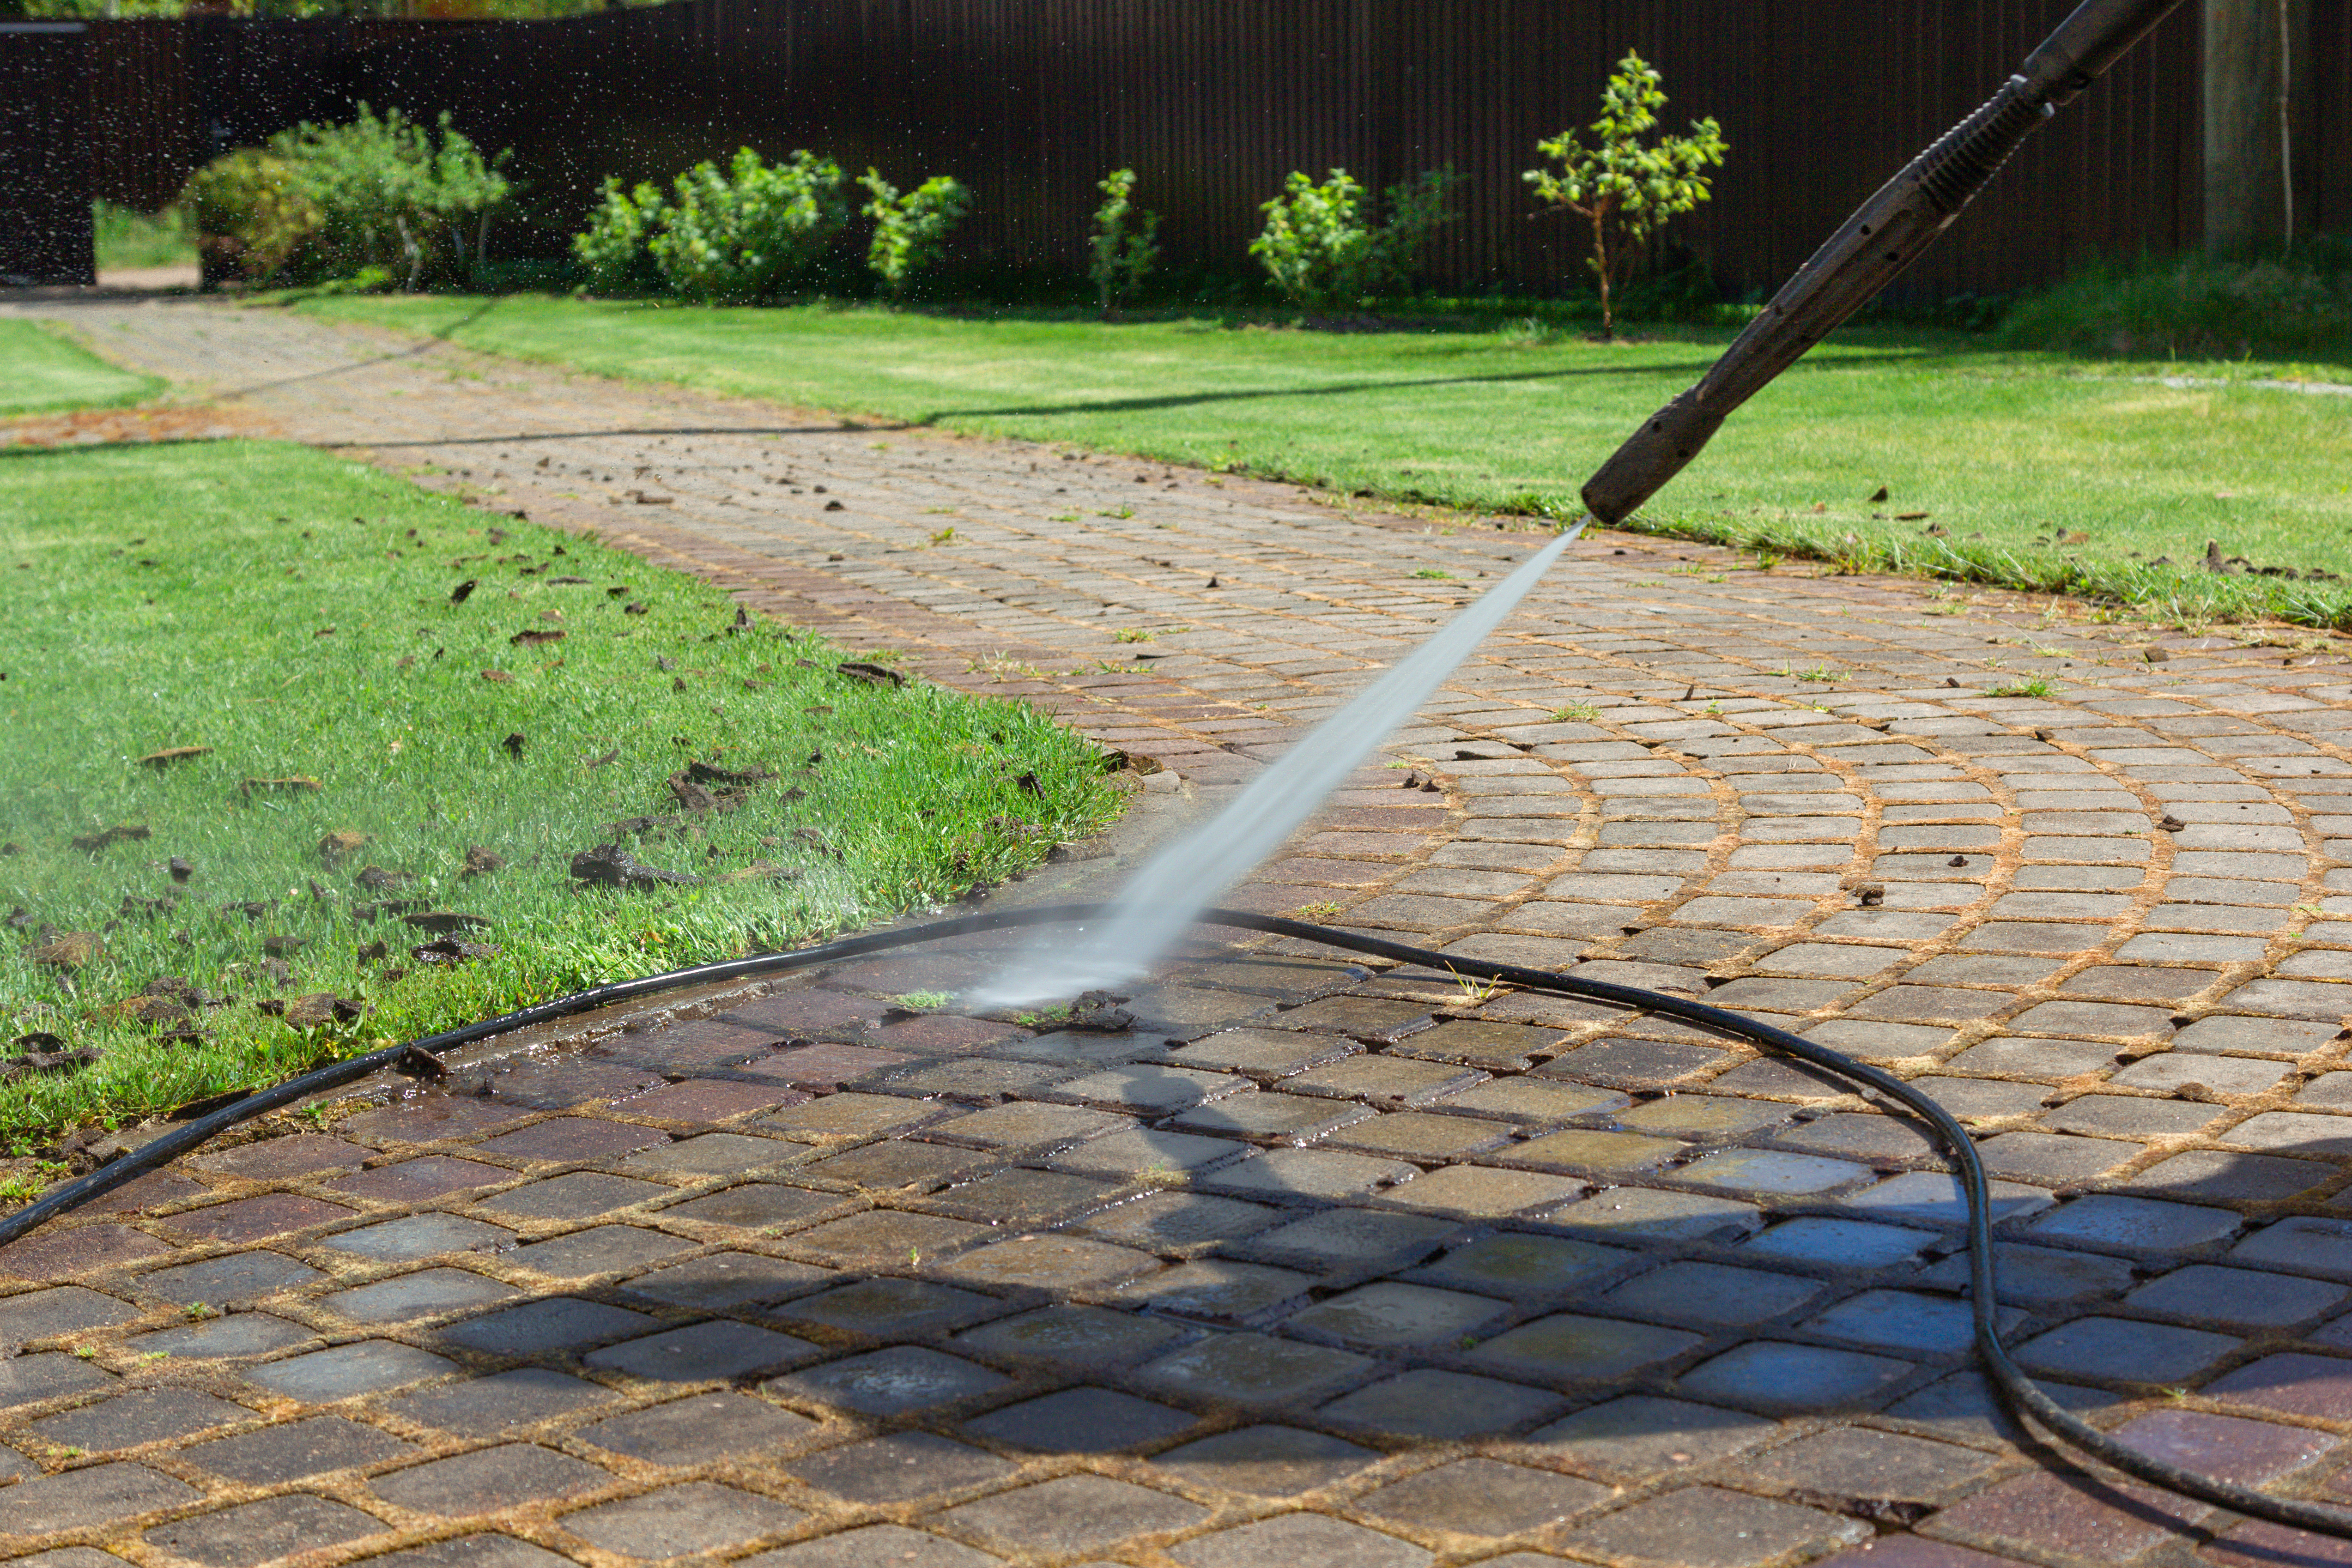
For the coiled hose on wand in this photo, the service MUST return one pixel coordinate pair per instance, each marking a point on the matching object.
(2023, 1396)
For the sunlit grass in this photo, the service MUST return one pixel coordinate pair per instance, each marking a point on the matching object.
(291, 613)
(41, 370)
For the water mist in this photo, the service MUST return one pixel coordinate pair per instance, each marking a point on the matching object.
(1168, 894)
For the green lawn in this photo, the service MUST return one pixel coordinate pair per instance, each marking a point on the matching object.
(2000, 449)
(291, 612)
(45, 372)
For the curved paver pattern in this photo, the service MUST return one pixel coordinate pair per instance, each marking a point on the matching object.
(1300, 1260)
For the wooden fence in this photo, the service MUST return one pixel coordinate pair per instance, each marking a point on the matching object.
(1213, 102)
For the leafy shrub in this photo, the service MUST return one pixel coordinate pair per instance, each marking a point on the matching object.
(740, 236)
(252, 212)
(613, 248)
(1119, 255)
(2301, 307)
(1626, 189)
(391, 193)
(1322, 249)
(911, 230)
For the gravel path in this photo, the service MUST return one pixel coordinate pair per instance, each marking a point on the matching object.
(1309, 1264)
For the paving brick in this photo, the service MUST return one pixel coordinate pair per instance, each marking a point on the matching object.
(884, 1308)
(2122, 1350)
(2255, 1544)
(724, 1279)
(1430, 1404)
(298, 1154)
(430, 1118)
(419, 1236)
(1862, 1463)
(2135, 1223)
(2217, 1175)
(1569, 1347)
(886, 1382)
(488, 1480)
(886, 1237)
(1712, 1294)
(547, 1325)
(582, 1195)
(1295, 1175)
(86, 1498)
(852, 1115)
(2301, 1242)
(899, 1468)
(221, 1338)
(2068, 1514)
(500, 1405)
(37, 1315)
(263, 1531)
(564, 1139)
(344, 1371)
(1252, 1369)
(1707, 1527)
(874, 1544)
(2054, 1159)
(1645, 1214)
(889, 1167)
(1483, 1497)
(1773, 1173)
(2293, 1384)
(1768, 1374)
(1148, 1152)
(1384, 1079)
(1300, 1538)
(603, 1250)
(1840, 1243)
(1074, 1514)
(145, 1416)
(700, 1352)
(1265, 1461)
(1169, 1220)
(419, 1180)
(255, 1219)
(2252, 1453)
(700, 1100)
(428, 1292)
(293, 1450)
(1081, 1421)
(698, 1429)
(697, 1517)
(2037, 1276)
(228, 1281)
(757, 1206)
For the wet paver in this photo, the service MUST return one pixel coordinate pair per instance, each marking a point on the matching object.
(1322, 1259)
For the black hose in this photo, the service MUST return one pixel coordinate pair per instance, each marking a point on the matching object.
(2021, 1391)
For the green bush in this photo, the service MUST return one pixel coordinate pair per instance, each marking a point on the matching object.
(390, 194)
(1322, 249)
(252, 212)
(613, 248)
(911, 230)
(740, 236)
(728, 237)
(1125, 244)
(337, 200)
(2191, 307)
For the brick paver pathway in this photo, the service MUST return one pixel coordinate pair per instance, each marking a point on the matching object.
(1311, 1265)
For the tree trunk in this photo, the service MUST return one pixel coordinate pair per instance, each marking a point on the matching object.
(2260, 168)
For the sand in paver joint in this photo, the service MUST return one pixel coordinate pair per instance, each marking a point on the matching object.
(1313, 1263)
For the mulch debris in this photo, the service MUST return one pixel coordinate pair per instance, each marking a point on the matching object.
(122, 832)
(610, 865)
(451, 950)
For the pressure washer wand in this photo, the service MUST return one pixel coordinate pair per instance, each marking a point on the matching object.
(1879, 241)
